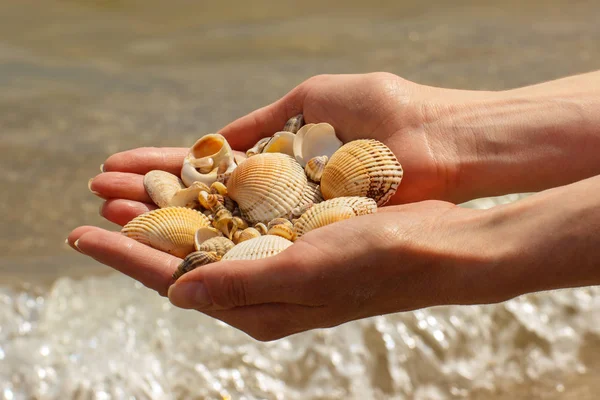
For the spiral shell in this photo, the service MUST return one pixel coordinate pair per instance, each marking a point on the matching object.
(334, 210)
(267, 186)
(209, 157)
(167, 190)
(195, 260)
(257, 248)
(203, 234)
(246, 234)
(294, 124)
(366, 168)
(170, 229)
(219, 245)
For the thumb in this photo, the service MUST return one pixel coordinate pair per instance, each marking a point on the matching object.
(244, 132)
(228, 284)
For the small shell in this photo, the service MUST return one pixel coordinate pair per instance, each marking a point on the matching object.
(170, 229)
(298, 211)
(294, 124)
(366, 168)
(209, 156)
(258, 147)
(267, 186)
(261, 228)
(161, 186)
(257, 248)
(320, 140)
(315, 166)
(279, 221)
(283, 230)
(281, 142)
(204, 234)
(193, 261)
(246, 234)
(218, 188)
(297, 145)
(334, 210)
(219, 245)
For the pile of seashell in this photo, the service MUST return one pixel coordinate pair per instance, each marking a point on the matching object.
(226, 207)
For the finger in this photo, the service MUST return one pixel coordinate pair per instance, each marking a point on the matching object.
(244, 132)
(145, 159)
(120, 185)
(150, 267)
(227, 284)
(121, 211)
(77, 233)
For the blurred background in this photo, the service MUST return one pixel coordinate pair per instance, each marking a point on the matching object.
(81, 80)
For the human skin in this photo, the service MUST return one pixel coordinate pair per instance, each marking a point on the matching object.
(454, 146)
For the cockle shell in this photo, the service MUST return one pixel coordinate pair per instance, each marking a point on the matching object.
(257, 248)
(294, 124)
(170, 229)
(203, 234)
(334, 210)
(363, 167)
(320, 140)
(310, 194)
(281, 142)
(210, 156)
(167, 190)
(315, 166)
(219, 245)
(195, 260)
(267, 186)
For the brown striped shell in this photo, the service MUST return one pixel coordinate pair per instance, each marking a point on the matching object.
(366, 168)
(219, 245)
(266, 186)
(334, 210)
(257, 248)
(195, 260)
(170, 229)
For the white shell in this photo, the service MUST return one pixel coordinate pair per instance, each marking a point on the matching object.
(297, 145)
(281, 142)
(210, 156)
(203, 234)
(161, 186)
(318, 140)
(257, 248)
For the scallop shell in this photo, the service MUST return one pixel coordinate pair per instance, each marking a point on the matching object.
(315, 166)
(170, 229)
(319, 140)
(311, 194)
(281, 142)
(267, 186)
(366, 168)
(219, 245)
(257, 248)
(334, 210)
(294, 124)
(209, 157)
(203, 234)
(195, 260)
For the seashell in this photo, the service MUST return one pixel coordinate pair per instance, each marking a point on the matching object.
(246, 234)
(210, 156)
(279, 221)
(315, 166)
(334, 210)
(257, 248)
(294, 124)
(229, 204)
(219, 245)
(203, 234)
(365, 168)
(170, 229)
(297, 145)
(261, 228)
(267, 186)
(298, 211)
(281, 142)
(283, 230)
(310, 194)
(218, 188)
(167, 190)
(258, 147)
(319, 140)
(193, 261)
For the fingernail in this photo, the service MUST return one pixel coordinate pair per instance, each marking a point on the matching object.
(90, 187)
(74, 246)
(102, 168)
(189, 295)
(100, 209)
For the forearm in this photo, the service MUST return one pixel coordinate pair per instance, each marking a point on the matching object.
(550, 240)
(521, 140)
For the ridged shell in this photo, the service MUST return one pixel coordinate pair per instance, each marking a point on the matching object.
(219, 245)
(366, 168)
(170, 229)
(204, 234)
(161, 186)
(334, 210)
(315, 167)
(257, 248)
(246, 234)
(283, 230)
(258, 147)
(267, 186)
(294, 124)
(195, 260)
(311, 194)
